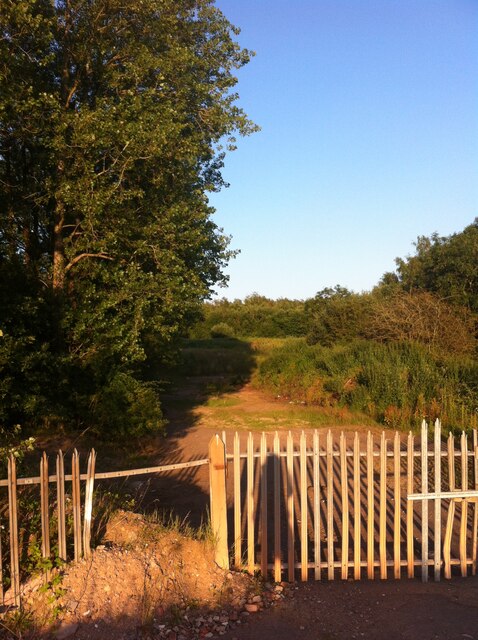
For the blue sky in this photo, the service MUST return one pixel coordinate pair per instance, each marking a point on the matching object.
(369, 116)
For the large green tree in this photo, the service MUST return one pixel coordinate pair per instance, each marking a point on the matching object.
(112, 117)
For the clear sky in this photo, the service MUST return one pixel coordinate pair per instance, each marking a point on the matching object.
(369, 116)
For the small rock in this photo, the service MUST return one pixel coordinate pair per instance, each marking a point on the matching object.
(251, 607)
(66, 630)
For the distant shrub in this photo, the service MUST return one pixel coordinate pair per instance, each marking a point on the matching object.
(222, 330)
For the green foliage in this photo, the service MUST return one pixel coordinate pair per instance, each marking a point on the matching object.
(446, 266)
(128, 406)
(222, 330)
(256, 316)
(114, 121)
(336, 315)
(398, 384)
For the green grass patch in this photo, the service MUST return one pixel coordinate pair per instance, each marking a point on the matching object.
(223, 401)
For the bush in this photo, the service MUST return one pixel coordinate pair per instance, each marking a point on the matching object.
(127, 406)
(222, 330)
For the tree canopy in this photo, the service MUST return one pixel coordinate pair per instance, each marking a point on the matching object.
(444, 265)
(114, 120)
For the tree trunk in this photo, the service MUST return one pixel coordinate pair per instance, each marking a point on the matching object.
(58, 249)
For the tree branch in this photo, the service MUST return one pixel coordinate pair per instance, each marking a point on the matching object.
(101, 256)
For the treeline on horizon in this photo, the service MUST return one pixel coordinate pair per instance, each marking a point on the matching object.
(403, 352)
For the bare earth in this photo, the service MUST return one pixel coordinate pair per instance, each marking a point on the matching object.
(402, 610)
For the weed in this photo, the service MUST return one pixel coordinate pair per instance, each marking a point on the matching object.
(17, 623)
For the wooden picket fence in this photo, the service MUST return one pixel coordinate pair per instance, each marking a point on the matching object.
(308, 510)
(81, 491)
(296, 508)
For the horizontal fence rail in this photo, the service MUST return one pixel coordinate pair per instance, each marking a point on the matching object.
(315, 506)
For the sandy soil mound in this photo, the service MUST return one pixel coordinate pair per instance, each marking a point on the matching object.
(140, 584)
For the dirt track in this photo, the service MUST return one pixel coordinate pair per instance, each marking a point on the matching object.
(404, 610)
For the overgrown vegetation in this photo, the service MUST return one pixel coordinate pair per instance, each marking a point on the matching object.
(398, 384)
(403, 352)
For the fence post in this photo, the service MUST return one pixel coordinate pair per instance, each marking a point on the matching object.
(13, 518)
(217, 485)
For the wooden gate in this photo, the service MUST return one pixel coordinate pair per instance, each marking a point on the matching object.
(319, 506)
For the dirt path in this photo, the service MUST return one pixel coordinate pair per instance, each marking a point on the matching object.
(195, 416)
(405, 610)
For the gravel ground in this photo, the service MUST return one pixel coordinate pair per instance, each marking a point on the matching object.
(402, 610)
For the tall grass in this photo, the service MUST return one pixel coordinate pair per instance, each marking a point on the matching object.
(398, 384)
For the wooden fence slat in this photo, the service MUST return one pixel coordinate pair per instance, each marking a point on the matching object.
(410, 541)
(345, 506)
(451, 461)
(424, 460)
(451, 507)
(475, 509)
(237, 502)
(304, 559)
(464, 504)
(290, 508)
(316, 471)
(264, 505)
(397, 505)
(357, 518)
(60, 499)
(76, 502)
(330, 507)
(447, 539)
(13, 522)
(218, 499)
(251, 563)
(277, 514)
(437, 527)
(89, 503)
(45, 512)
(383, 508)
(370, 509)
